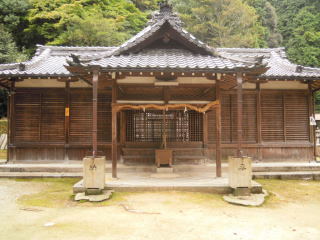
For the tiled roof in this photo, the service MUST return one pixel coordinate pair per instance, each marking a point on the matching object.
(50, 61)
(169, 59)
(277, 62)
(281, 68)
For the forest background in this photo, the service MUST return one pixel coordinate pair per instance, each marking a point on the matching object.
(293, 24)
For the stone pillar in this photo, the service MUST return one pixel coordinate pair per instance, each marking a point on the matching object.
(94, 174)
(240, 174)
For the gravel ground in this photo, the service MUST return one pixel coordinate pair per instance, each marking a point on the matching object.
(160, 216)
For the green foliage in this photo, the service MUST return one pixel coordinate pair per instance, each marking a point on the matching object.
(8, 53)
(51, 21)
(287, 10)
(317, 101)
(230, 23)
(8, 49)
(269, 19)
(93, 30)
(3, 126)
(146, 5)
(304, 46)
(13, 17)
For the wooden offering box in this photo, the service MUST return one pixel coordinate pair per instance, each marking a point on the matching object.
(163, 157)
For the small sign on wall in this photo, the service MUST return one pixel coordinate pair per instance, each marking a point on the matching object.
(67, 112)
(313, 121)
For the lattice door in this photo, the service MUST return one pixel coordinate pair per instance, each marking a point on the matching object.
(148, 126)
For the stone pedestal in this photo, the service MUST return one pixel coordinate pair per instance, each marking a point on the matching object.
(240, 172)
(94, 173)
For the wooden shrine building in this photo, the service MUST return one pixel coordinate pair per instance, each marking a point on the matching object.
(161, 88)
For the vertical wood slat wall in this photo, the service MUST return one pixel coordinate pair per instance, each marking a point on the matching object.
(40, 116)
(284, 117)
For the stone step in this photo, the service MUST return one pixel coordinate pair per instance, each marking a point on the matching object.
(196, 160)
(39, 175)
(151, 152)
(286, 167)
(307, 175)
(258, 168)
(212, 185)
(164, 170)
(138, 151)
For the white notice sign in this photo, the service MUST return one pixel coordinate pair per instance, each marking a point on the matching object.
(313, 121)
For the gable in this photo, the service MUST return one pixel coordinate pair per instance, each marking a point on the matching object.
(164, 31)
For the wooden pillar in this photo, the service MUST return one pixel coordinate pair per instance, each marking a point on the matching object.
(258, 109)
(123, 128)
(114, 148)
(67, 120)
(205, 130)
(312, 133)
(95, 79)
(166, 94)
(218, 131)
(8, 124)
(239, 114)
(11, 151)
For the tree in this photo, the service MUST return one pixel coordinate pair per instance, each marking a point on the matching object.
(8, 53)
(49, 20)
(229, 23)
(304, 46)
(146, 5)
(13, 17)
(287, 10)
(269, 19)
(8, 49)
(93, 30)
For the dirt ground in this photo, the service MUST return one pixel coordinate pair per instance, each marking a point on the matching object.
(36, 209)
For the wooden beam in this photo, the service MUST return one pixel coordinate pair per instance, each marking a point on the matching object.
(114, 148)
(239, 114)
(95, 80)
(218, 131)
(86, 81)
(4, 85)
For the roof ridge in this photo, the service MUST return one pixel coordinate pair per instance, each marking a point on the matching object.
(35, 61)
(79, 48)
(26, 65)
(258, 61)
